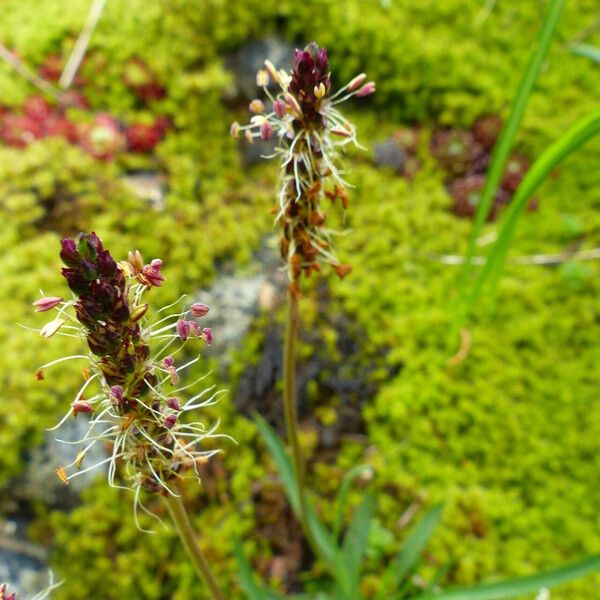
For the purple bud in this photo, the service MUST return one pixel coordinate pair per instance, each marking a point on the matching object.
(266, 131)
(116, 391)
(366, 90)
(151, 273)
(82, 406)
(173, 403)
(356, 82)
(279, 108)
(48, 303)
(68, 252)
(207, 335)
(168, 361)
(183, 329)
(170, 421)
(198, 309)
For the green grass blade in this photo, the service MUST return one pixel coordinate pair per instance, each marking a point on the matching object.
(283, 463)
(499, 156)
(591, 52)
(415, 543)
(247, 579)
(523, 585)
(355, 543)
(342, 497)
(410, 554)
(570, 141)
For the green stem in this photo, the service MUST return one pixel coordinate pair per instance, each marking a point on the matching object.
(289, 407)
(188, 537)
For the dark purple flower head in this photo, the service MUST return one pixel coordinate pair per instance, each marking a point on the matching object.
(309, 74)
(102, 306)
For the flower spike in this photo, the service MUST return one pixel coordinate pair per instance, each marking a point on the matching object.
(310, 133)
(132, 406)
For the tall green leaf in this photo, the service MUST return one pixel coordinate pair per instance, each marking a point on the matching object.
(524, 585)
(247, 579)
(322, 537)
(354, 547)
(411, 550)
(500, 155)
(342, 496)
(571, 140)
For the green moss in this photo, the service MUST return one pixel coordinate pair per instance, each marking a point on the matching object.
(507, 438)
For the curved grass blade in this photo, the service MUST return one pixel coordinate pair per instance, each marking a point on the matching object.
(321, 536)
(342, 497)
(524, 585)
(587, 51)
(570, 141)
(354, 547)
(247, 578)
(410, 554)
(499, 156)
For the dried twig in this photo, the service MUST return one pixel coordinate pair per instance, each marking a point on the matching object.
(78, 52)
(27, 73)
(533, 259)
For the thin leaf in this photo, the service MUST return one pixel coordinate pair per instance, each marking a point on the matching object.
(355, 545)
(247, 578)
(320, 534)
(570, 141)
(415, 543)
(587, 51)
(523, 585)
(342, 496)
(499, 156)
(282, 461)
(411, 550)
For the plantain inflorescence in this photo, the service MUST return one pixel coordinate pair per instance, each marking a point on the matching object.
(131, 387)
(310, 131)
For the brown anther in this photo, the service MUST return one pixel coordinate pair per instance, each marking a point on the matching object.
(342, 270)
(129, 419)
(314, 189)
(39, 375)
(295, 266)
(317, 218)
(294, 290)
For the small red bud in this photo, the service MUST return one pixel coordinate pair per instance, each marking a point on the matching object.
(198, 309)
(44, 304)
(82, 406)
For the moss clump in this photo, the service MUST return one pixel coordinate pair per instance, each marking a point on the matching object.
(518, 483)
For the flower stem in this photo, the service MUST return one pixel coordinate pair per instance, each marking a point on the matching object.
(188, 537)
(290, 410)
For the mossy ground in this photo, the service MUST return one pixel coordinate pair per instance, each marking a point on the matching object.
(508, 439)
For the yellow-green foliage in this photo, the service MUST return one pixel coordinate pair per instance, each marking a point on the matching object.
(508, 438)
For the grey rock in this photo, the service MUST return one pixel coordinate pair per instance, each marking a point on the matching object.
(22, 564)
(389, 154)
(40, 482)
(235, 299)
(249, 58)
(148, 186)
(254, 153)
